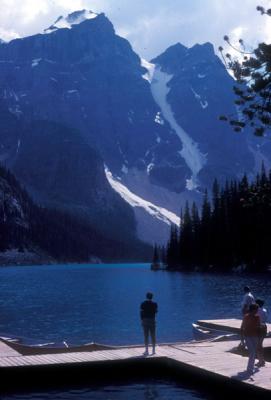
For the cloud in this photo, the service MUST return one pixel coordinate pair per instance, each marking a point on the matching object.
(8, 35)
(28, 17)
(151, 26)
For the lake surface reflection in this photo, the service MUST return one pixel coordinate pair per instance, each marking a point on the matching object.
(100, 303)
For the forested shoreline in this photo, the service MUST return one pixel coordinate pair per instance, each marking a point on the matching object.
(232, 230)
(49, 235)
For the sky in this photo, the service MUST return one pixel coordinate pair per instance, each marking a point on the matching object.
(151, 26)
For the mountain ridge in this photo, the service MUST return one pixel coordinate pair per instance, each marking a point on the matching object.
(159, 135)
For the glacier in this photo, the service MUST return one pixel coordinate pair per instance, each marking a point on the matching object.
(191, 153)
(160, 213)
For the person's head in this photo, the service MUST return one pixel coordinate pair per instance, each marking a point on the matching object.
(260, 302)
(149, 296)
(253, 308)
(246, 289)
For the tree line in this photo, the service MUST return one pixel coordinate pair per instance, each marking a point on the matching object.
(51, 233)
(232, 229)
(25, 225)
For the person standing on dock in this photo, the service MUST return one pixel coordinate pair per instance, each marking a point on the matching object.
(248, 299)
(250, 332)
(148, 311)
(262, 312)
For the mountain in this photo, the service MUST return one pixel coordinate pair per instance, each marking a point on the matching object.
(33, 234)
(61, 171)
(199, 91)
(101, 120)
(74, 18)
(89, 79)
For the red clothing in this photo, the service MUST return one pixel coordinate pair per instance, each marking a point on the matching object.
(251, 325)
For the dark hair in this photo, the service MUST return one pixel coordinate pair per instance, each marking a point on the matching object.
(149, 295)
(253, 307)
(260, 302)
(246, 289)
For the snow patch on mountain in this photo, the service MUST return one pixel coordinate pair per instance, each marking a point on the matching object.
(150, 70)
(124, 169)
(149, 168)
(203, 103)
(15, 109)
(158, 119)
(18, 146)
(74, 18)
(36, 62)
(190, 152)
(156, 212)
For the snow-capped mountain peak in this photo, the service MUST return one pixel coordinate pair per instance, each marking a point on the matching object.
(150, 69)
(75, 18)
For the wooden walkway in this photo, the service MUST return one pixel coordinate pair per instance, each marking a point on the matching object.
(230, 325)
(208, 358)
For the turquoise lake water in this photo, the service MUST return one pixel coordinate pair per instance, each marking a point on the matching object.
(100, 303)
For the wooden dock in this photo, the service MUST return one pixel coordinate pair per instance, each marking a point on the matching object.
(231, 325)
(208, 361)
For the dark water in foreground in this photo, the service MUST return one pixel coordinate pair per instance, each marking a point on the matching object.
(151, 390)
(82, 303)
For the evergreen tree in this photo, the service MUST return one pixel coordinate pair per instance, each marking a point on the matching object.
(173, 248)
(234, 231)
(156, 257)
(186, 239)
(205, 232)
(253, 84)
(195, 222)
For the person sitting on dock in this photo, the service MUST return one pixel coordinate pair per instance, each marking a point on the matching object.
(148, 311)
(262, 312)
(248, 299)
(250, 332)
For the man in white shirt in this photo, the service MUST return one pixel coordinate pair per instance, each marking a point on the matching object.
(248, 299)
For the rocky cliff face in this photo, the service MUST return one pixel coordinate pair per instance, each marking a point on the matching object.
(200, 90)
(90, 79)
(153, 126)
(30, 234)
(62, 171)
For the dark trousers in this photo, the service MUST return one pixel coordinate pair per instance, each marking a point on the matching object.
(260, 350)
(149, 331)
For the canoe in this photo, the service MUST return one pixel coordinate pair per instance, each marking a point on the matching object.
(202, 333)
(53, 348)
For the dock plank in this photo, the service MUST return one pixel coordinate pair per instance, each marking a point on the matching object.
(6, 350)
(212, 357)
(227, 365)
(230, 325)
